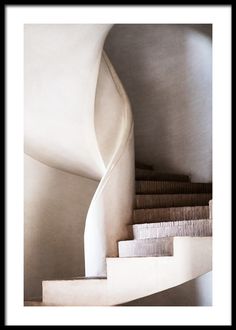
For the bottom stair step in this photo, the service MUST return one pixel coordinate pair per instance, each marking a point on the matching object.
(133, 278)
(146, 247)
(193, 228)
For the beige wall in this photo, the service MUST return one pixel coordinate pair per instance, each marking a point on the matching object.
(166, 71)
(56, 205)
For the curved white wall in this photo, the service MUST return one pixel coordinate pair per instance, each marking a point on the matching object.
(61, 71)
(61, 67)
(78, 125)
(166, 71)
(112, 206)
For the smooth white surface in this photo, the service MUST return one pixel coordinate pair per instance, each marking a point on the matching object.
(61, 64)
(111, 208)
(204, 289)
(220, 312)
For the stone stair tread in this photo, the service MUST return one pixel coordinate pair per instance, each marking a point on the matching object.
(171, 187)
(192, 228)
(34, 303)
(79, 278)
(146, 174)
(170, 214)
(146, 248)
(136, 277)
(171, 200)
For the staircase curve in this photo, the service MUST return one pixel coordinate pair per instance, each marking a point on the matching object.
(92, 136)
(111, 209)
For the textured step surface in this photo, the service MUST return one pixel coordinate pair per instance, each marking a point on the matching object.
(193, 228)
(146, 248)
(210, 209)
(171, 200)
(34, 303)
(170, 214)
(144, 174)
(171, 187)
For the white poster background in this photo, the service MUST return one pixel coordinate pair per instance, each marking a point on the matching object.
(219, 313)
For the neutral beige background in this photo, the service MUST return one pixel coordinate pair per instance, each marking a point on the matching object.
(166, 71)
(56, 204)
(197, 292)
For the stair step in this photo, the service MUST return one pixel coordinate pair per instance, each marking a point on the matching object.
(171, 187)
(146, 248)
(170, 214)
(133, 278)
(145, 174)
(193, 228)
(33, 303)
(171, 200)
(142, 166)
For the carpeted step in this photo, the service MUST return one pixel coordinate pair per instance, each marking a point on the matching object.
(146, 248)
(171, 187)
(193, 228)
(171, 200)
(170, 214)
(145, 174)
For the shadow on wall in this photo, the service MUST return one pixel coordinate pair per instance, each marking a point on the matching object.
(166, 71)
(56, 205)
(196, 292)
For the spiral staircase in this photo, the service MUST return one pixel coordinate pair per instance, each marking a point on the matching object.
(171, 244)
(145, 231)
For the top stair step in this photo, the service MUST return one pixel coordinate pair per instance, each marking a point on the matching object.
(146, 174)
(171, 187)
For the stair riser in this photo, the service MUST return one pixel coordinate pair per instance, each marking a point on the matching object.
(141, 166)
(172, 200)
(143, 174)
(192, 228)
(160, 187)
(146, 248)
(170, 214)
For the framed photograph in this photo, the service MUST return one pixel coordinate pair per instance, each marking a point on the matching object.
(118, 165)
